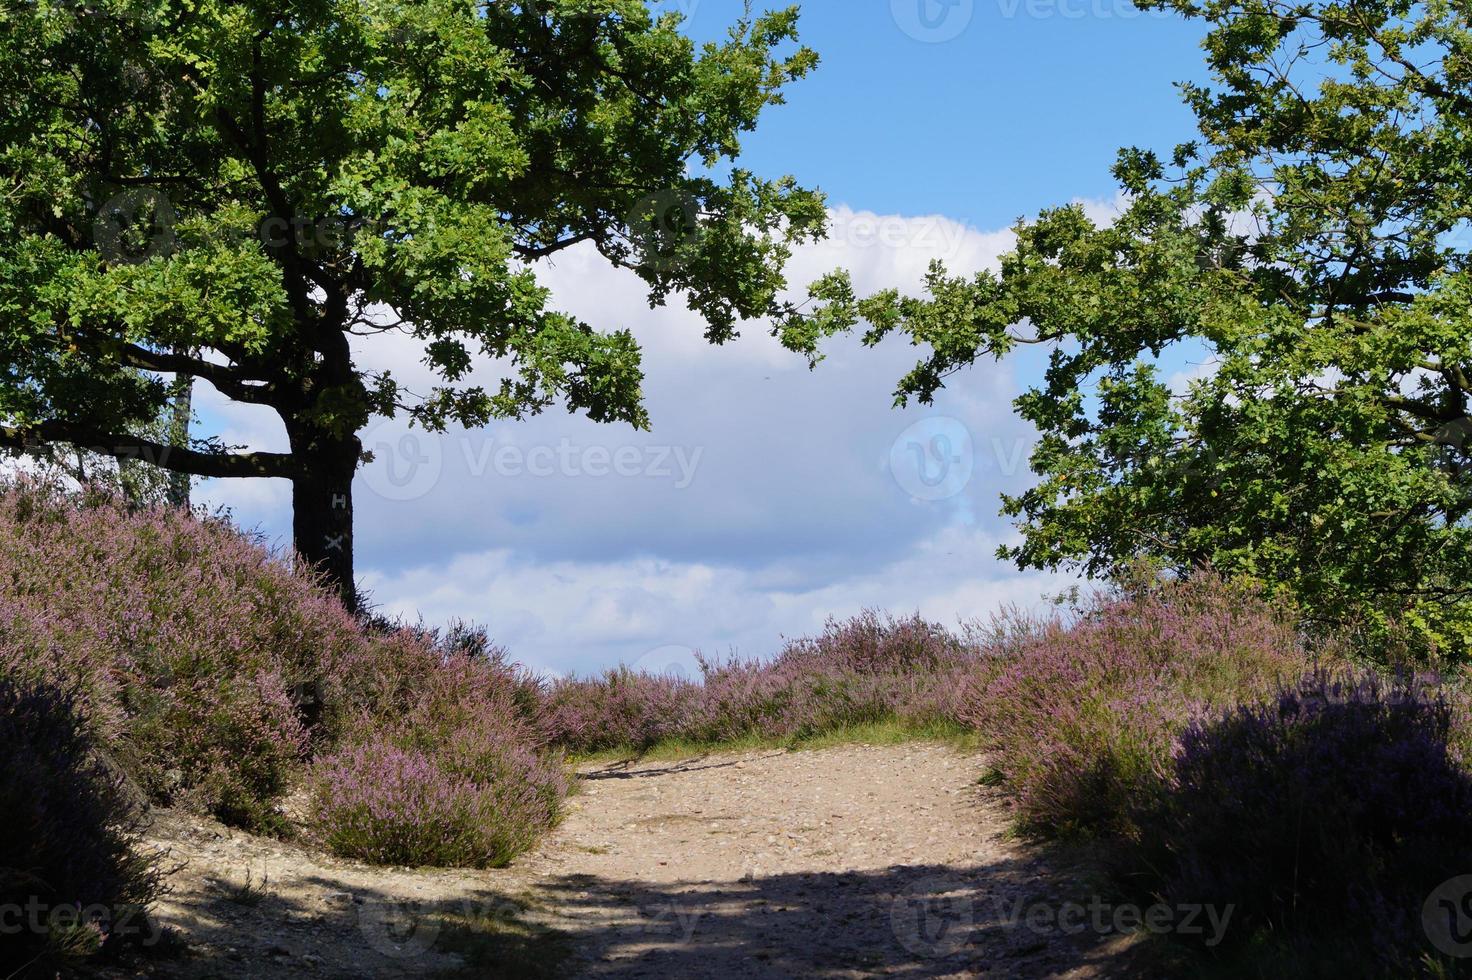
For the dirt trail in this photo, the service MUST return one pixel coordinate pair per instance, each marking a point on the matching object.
(847, 862)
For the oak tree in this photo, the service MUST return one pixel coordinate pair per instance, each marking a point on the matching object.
(1310, 251)
(233, 192)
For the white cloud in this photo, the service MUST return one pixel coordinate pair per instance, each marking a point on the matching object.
(574, 617)
(1179, 382)
(789, 513)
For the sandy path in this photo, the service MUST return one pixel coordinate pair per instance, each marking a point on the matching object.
(847, 862)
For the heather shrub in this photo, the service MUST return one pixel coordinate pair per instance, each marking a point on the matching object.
(621, 709)
(220, 679)
(1324, 817)
(803, 698)
(385, 804)
(867, 670)
(1083, 712)
(190, 645)
(439, 760)
(872, 644)
(71, 851)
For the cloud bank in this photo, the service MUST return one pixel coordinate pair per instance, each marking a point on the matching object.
(765, 498)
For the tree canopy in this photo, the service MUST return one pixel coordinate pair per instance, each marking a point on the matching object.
(1311, 247)
(231, 191)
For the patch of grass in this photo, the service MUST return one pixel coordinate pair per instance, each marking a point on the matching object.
(251, 892)
(891, 732)
(500, 942)
(993, 777)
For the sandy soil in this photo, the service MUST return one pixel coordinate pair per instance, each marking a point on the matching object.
(855, 861)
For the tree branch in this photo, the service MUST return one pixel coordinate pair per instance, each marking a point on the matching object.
(229, 381)
(175, 458)
(532, 254)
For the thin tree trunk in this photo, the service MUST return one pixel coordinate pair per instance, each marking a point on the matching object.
(181, 413)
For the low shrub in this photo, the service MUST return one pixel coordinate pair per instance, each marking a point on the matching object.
(389, 805)
(439, 761)
(871, 644)
(866, 670)
(216, 675)
(1324, 818)
(70, 859)
(1083, 711)
(622, 709)
(190, 644)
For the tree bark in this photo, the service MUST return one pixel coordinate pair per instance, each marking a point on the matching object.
(322, 512)
(181, 413)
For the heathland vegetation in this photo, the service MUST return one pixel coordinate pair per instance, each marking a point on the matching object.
(1262, 707)
(1205, 747)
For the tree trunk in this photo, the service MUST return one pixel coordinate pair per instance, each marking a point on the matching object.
(322, 512)
(181, 413)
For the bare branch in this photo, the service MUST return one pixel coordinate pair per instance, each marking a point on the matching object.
(175, 458)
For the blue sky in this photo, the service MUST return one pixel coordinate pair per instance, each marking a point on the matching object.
(1023, 108)
(766, 497)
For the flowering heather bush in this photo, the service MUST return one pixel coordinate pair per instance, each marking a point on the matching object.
(1082, 713)
(874, 645)
(622, 709)
(1331, 811)
(71, 847)
(389, 805)
(190, 643)
(216, 675)
(869, 669)
(441, 762)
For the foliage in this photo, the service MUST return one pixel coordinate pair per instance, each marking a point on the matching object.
(383, 804)
(136, 480)
(622, 709)
(231, 191)
(193, 648)
(1311, 249)
(1084, 712)
(216, 675)
(437, 759)
(1329, 813)
(863, 671)
(73, 854)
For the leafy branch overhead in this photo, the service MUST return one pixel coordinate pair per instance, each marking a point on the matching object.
(1310, 252)
(233, 191)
